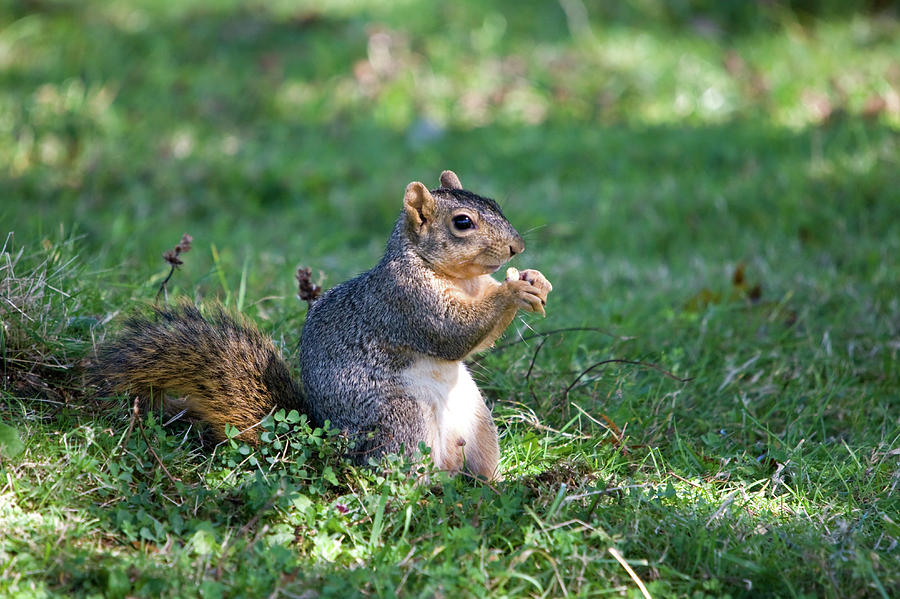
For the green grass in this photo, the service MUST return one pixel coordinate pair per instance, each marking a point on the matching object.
(662, 161)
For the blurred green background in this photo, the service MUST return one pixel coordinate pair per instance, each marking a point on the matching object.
(286, 131)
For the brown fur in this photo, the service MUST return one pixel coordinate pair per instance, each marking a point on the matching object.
(223, 368)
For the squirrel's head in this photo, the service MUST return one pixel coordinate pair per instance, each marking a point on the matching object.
(459, 234)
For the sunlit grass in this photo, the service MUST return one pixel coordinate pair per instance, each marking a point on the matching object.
(714, 195)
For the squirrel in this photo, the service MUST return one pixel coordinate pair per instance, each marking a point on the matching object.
(381, 355)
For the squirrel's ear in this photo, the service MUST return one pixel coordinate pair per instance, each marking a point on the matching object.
(419, 205)
(450, 180)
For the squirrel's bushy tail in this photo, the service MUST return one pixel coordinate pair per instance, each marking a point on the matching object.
(222, 368)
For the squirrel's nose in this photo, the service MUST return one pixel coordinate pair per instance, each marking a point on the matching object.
(516, 247)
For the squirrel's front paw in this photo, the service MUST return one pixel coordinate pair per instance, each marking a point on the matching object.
(531, 288)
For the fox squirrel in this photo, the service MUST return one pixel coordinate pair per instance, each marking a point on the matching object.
(381, 355)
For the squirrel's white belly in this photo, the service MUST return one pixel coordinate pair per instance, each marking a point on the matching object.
(451, 405)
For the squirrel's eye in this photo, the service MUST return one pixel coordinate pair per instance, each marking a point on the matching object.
(462, 222)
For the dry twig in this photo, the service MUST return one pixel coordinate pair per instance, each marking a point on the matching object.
(306, 289)
(171, 256)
